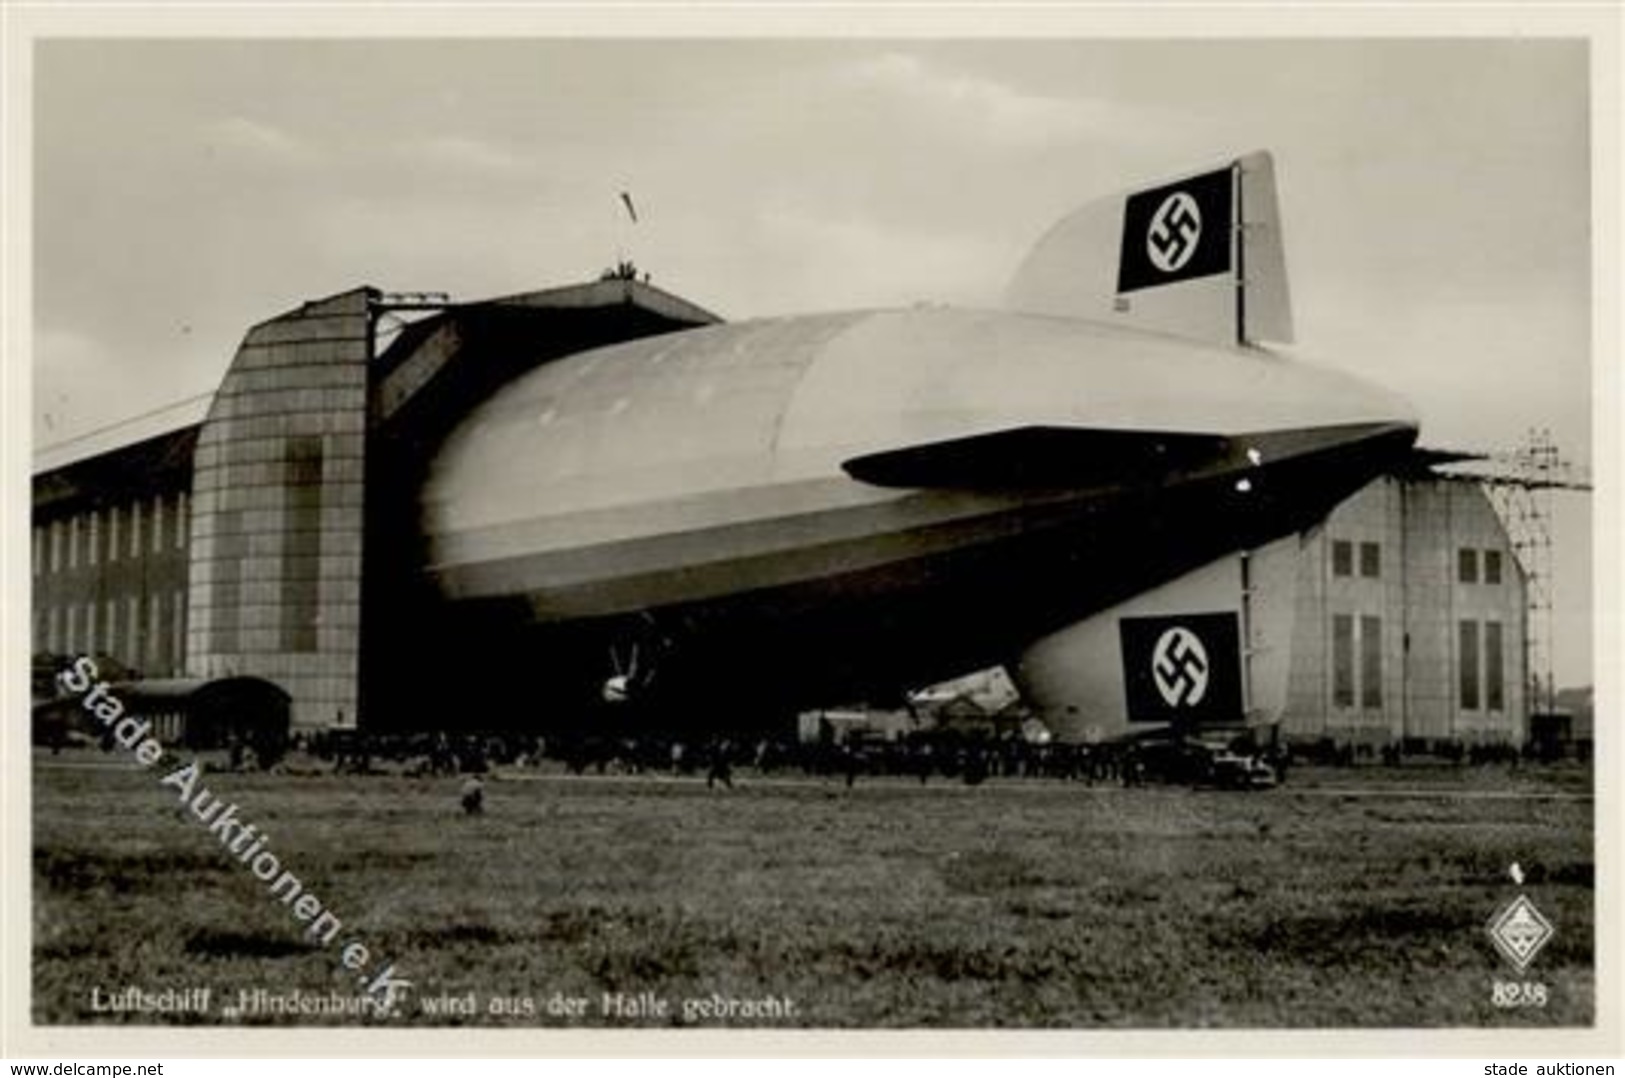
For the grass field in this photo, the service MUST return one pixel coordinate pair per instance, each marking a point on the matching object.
(1342, 899)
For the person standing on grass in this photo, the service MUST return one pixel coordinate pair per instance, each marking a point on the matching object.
(721, 766)
(473, 795)
(851, 762)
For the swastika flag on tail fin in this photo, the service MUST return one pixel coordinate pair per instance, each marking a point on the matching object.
(1183, 669)
(1177, 232)
(1198, 256)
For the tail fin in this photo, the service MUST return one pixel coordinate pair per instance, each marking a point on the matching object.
(1199, 256)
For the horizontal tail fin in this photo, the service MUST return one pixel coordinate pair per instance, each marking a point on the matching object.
(1028, 457)
(1199, 256)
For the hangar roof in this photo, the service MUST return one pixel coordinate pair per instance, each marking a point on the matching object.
(160, 462)
(154, 450)
(170, 420)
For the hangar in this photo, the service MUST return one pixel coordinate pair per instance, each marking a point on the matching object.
(1410, 624)
(274, 533)
(248, 541)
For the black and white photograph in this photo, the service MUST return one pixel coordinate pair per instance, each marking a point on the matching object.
(860, 531)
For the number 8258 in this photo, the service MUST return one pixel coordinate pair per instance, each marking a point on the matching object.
(1518, 994)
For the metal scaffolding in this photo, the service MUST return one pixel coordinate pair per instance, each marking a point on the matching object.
(1520, 485)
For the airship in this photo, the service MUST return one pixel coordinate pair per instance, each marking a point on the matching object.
(1098, 484)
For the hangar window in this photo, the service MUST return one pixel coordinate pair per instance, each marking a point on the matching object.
(157, 523)
(73, 627)
(135, 529)
(1342, 660)
(1467, 566)
(95, 538)
(1371, 662)
(1494, 673)
(1342, 558)
(112, 533)
(1370, 560)
(1492, 566)
(182, 520)
(1467, 664)
(110, 627)
(155, 631)
(73, 542)
(132, 631)
(225, 591)
(53, 631)
(302, 459)
(178, 647)
(56, 546)
(302, 462)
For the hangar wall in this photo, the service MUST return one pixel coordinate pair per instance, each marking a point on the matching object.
(1410, 621)
(110, 555)
(277, 495)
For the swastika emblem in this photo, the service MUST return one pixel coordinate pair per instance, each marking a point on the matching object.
(1175, 229)
(1179, 665)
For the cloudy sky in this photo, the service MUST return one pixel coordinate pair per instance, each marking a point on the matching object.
(1436, 194)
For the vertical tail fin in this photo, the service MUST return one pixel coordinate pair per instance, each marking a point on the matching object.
(1199, 256)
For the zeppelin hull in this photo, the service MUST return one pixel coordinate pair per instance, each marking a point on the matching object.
(858, 592)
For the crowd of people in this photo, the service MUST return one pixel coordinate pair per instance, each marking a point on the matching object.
(922, 757)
